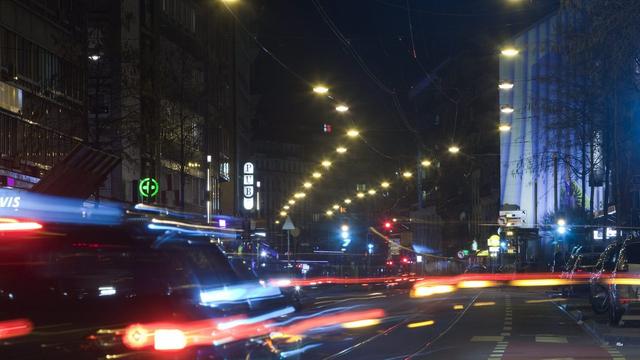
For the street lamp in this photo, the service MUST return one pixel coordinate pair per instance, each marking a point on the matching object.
(277, 222)
(316, 175)
(342, 108)
(372, 192)
(307, 185)
(562, 226)
(94, 57)
(283, 213)
(326, 164)
(329, 213)
(454, 149)
(360, 195)
(505, 85)
(335, 207)
(510, 52)
(291, 202)
(341, 149)
(407, 174)
(353, 133)
(320, 89)
(506, 109)
(426, 163)
(286, 207)
(299, 195)
(385, 184)
(504, 128)
(347, 201)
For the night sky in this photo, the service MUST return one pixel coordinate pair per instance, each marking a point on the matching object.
(465, 34)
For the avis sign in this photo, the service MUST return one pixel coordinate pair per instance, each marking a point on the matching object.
(248, 186)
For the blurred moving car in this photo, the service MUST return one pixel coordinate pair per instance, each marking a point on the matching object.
(476, 269)
(624, 295)
(598, 286)
(579, 264)
(134, 290)
(293, 295)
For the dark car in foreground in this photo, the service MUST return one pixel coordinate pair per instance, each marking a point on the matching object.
(133, 290)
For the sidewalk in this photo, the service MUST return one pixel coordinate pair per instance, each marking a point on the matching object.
(626, 337)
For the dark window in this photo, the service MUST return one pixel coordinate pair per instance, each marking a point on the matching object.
(632, 253)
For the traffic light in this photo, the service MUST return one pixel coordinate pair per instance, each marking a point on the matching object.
(387, 225)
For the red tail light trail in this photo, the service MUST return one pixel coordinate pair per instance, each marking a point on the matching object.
(169, 339)
(15, 328)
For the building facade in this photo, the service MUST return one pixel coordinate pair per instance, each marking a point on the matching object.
(541, 162)
(42, 87)
(167, 89)
(280, 170)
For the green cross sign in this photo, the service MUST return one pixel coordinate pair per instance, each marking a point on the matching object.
(148, 187)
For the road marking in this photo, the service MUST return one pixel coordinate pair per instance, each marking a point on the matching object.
(420, 324)
(487, 338)
(551, 339)
(498, 350)
(507, 328)
(485, 303)
(505, 334)
(615, 354)
(630, 317)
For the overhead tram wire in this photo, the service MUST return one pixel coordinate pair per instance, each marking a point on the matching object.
(363, 65)
(355, 55)
(264, 48)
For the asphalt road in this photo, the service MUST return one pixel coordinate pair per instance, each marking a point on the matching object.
(469, 324)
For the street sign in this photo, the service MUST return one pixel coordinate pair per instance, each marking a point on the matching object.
(511, 218)
(288, 224)
(461, 254)
(248, 181)
(148, 187)
(493, 241)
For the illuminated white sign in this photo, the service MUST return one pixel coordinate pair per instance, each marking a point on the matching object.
(248, 189)
(9, 201)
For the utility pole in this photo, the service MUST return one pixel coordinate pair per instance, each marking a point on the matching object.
(555, 182)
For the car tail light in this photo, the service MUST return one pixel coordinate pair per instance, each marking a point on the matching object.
(169, 339)
(19, 226)
(136, 337)
(15, 328)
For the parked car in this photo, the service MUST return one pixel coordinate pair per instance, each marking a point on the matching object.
(598, 285)
(577, 266)
(623, 295)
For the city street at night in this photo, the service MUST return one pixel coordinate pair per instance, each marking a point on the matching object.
(488, 324)
(319, 179)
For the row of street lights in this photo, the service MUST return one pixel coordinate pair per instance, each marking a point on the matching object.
(353, 133)
(506, 85)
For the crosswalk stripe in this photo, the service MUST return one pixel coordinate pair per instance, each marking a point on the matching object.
(552, 339)
(487, 338)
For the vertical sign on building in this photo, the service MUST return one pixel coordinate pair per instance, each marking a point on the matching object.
(248, 188)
